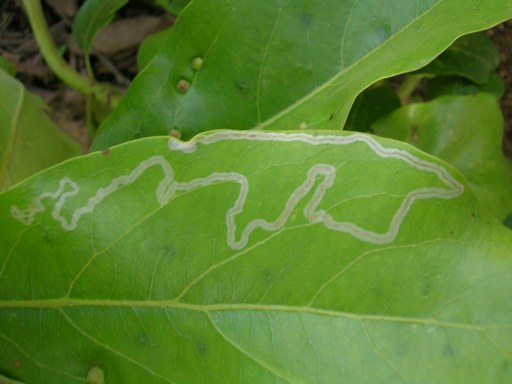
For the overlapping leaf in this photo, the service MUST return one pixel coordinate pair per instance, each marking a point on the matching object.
(465, 131)
(245, 257)
(29, 140)
(473, 57)
(93, 16)
(309, 58)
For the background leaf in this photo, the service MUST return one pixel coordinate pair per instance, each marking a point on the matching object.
(312, 58)
(473, 57)
(93, 16)
(29, 140)
(371, 105)
(7, 66)
(465, 131)
(253, 257)
(173, 6)
(453, 85)
(150, 46)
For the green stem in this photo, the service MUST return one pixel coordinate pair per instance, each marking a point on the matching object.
(57, 64)
(407, 87)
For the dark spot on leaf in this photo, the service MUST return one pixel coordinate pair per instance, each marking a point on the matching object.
(473, 215)
(143, 338)
(105, 152)
(269, 276)
(331, 116)
(307, 20)
(242, 87)
(202, 348)
(168, 252)
(448, 351)
(17, 363)
(425, 290)
(48, 236)
(401, 349)
(415, 136)
(452, 233)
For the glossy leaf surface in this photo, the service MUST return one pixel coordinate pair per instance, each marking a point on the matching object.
(465, 131)
(150, 46)
(29, 140)
(309, 58)
(246, 257)
(93, 16)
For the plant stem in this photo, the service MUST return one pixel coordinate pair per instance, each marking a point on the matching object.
(407, 87)
(57, 64)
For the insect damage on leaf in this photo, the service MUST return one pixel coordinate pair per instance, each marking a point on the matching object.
(310, 190)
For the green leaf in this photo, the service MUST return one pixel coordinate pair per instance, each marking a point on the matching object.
(254, 257)
(370, 106)
(29, 140)
(473, 57)
(93, 16)
(5, 380)
(311, 58)
(150, 46)
(7, 66)
(173, 6)
(465, 131)
(453, 85)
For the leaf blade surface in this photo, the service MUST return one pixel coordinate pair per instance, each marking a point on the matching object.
(313, 271)
(309, 58)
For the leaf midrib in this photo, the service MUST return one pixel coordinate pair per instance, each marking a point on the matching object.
(343, 72)
(59, 303)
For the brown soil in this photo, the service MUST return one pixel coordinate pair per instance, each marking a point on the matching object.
(114, 59)
(502, 37)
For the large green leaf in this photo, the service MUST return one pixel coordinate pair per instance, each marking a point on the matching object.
(29, 140)
(253, 257)
(309, 57)
(465, 131)
(93, 16)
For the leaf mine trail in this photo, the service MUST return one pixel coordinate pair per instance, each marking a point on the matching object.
(326, 173)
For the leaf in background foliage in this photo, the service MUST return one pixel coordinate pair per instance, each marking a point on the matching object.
(265, 59)
(473, 57)
(5, 380)
(173, 6)
(93, 16)
(369, 106)
(254, 257)
(150, 46)
(7, 66)
(453, 85)
(29, 140)
(465, 131)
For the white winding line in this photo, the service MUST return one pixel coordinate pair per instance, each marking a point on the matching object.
(168, 186)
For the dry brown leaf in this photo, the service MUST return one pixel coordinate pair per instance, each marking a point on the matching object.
(127, 33)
